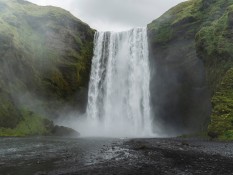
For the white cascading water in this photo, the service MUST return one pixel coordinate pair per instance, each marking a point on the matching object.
(119, 96)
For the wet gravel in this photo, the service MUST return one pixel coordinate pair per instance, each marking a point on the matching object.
(54, 155)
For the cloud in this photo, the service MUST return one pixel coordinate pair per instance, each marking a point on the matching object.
(114, 14)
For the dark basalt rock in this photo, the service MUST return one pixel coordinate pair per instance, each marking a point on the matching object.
(64, 131)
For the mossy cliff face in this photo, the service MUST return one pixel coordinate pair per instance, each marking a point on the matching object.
(45, 61)
(191, 48)
(178, 87)
(215, 47)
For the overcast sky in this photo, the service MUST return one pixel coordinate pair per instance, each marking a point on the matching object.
(113, 15)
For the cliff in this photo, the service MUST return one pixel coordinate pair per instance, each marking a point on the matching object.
(45, 61)
(191, 49)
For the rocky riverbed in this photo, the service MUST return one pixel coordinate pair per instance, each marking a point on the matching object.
(57, 155)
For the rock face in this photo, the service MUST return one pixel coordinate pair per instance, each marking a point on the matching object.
(191, 51)
(64, 131)
(45, 61)
(215, 48)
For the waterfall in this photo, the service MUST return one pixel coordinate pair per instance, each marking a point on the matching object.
(119, 96)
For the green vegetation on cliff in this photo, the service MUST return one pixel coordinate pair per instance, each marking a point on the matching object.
(45, 61)
(30, 125)
(221, 125)
(202, 29)
(215, 47)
